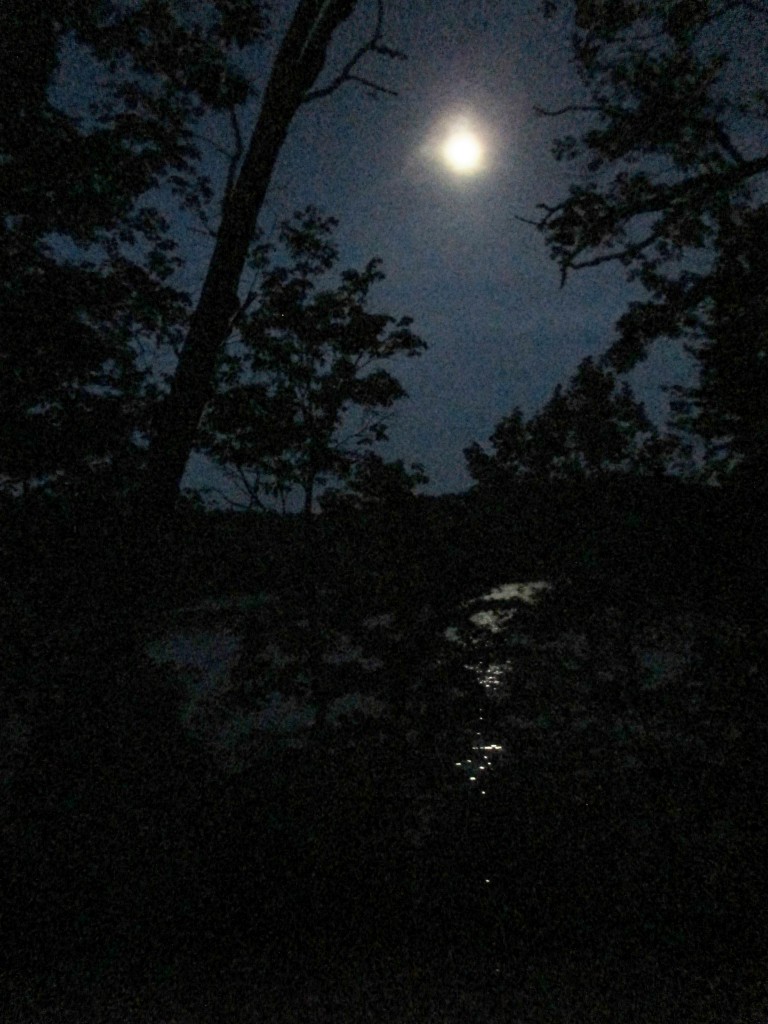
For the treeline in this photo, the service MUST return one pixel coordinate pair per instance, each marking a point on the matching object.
(612, 867)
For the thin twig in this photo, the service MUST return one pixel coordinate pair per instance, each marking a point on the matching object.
(236, 473)
(628, 253)
(222, 150)
(372, 85)
(725, 141)
(374, 45)
(230, 501)
(570, 108)
(208, 232)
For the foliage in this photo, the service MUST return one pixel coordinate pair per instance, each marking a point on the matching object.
(87, 255)
(107, 113)
(727, 407)
(624, 856)
(302, 392)
(672, 161)
(376, 484)
(109, 813)
(292, 81)
(593, 428)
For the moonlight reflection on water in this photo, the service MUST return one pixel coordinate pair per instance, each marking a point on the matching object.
(505, 598)
(205, 651)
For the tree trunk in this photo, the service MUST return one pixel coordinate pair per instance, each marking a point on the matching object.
(299, 61)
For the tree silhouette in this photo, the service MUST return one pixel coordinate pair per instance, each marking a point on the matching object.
(300, 60)
(671, 146)
(95, 299)
(86, 258)
(727, 407)
(375, 484)
(592, 428)
(302, 392)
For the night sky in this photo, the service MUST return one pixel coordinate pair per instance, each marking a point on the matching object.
(477, 281)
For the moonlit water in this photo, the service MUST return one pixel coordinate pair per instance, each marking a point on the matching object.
(487, 750)
(205, 655)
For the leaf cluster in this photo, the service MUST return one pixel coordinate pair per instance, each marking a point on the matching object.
(592, 428)
(671, 144)
(727, 405)
(302, 390)
(89, 263)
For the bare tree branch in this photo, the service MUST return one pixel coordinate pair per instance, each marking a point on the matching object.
(216, 146)
(622, 255)
(250, 488)
(206, 231)
(570, 108)
(725, 141)
(347, 73)
(373, 85)
(229, 500)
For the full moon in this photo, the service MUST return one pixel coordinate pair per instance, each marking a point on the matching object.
(463, 152)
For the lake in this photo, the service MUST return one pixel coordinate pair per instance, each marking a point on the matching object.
(203, 643)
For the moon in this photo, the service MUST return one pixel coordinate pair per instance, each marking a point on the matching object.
(463, 151)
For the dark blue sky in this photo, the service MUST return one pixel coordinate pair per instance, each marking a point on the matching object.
(477, 281)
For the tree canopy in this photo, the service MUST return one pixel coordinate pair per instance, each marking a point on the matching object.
(87, 256)
(302, 392)
(671, 153)
(592, 428)
(727, 406)
(109, 359)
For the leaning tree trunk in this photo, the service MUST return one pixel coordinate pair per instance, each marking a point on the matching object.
(299, 61)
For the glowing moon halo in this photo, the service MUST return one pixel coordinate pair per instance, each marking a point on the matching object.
(463, 152)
